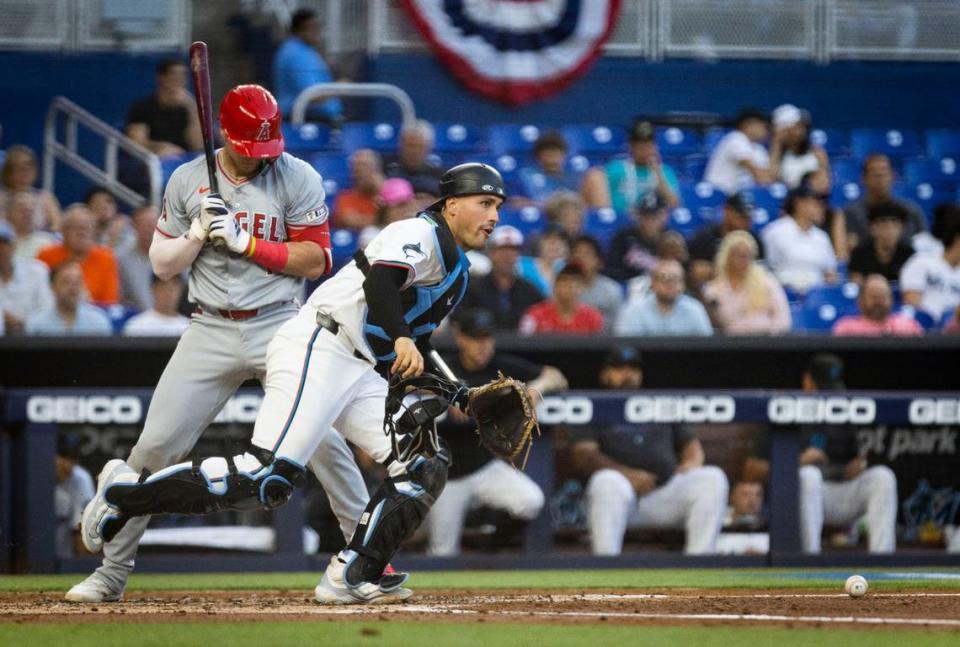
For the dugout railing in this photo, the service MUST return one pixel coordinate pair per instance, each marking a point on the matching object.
(33, 417)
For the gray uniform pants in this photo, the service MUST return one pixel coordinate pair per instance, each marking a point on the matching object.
(213, 358)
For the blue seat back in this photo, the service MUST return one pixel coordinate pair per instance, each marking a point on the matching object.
(380, 137)
(896, 144)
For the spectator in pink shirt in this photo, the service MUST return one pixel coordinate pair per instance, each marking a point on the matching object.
(745, 299)
(875, 318)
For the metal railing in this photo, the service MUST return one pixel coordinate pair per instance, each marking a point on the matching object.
(372, 90)
(70, 116)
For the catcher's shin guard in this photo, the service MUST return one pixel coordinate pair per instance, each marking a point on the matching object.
(395, 511)
(211, 485)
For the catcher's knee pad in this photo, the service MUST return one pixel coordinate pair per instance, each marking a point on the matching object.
(395, 511)
(210, 485)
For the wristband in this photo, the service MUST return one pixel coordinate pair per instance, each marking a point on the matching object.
(268, 255)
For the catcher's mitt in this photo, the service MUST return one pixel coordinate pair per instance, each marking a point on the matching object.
(505, 417)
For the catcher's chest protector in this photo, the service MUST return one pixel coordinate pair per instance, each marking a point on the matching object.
(424, 307)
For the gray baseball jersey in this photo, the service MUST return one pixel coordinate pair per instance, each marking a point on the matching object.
(285, 195)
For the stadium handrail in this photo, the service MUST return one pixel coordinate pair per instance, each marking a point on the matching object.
(385, 90)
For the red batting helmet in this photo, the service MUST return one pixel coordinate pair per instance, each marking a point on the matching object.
(250, 118)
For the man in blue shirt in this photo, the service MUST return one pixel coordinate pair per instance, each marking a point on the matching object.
(298, 65)
(665, 310)
(70, 314)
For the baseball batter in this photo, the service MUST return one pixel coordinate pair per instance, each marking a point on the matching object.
(327, 369)
(275, 233)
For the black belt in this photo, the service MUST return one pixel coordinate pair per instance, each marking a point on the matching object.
(328, 323)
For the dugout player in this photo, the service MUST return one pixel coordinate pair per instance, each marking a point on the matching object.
(327, 370)
(476, 478)
(276, 233)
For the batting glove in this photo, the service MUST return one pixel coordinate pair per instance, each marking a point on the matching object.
(226, 228)
(211, 206)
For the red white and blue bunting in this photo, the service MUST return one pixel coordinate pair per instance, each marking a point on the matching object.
(515, 51)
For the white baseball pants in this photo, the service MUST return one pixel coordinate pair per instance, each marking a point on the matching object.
(496, 485)
(873, 493)
(694, 500)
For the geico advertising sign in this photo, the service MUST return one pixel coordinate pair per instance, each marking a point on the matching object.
(578, 410)
(787, 410)
(123, 409)
(930, 411)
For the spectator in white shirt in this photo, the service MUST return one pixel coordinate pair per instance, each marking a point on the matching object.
(70, 313)
(21, 212)
(73, 491)
(24, 284)
(133, 263)
(792, 154)
(740, 161)
(798, 251)
(931, 282)
(162, 320)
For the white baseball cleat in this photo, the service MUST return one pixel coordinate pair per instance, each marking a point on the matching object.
(98, 512)
(332, 589)
(95, 588)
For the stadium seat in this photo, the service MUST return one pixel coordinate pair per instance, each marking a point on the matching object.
(843, 193)
(343, 243)
(845, 169)
(693, 167)
(935, 171)
(119, 314)
(943, 143)
(603, 224)
(834, 142)
(508, 165)
(305, 138)
(687, 221)
(766, 201)
(702, 199)
(712, 138)
(824, 304)
(378, 136)
(331, 166)
(594, 139)
(896, 144)
(457, 138)
(678, 142)
(531, 221)
(927, 195)
(503, 139)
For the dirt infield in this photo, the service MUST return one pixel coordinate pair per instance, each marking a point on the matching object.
(938, 610)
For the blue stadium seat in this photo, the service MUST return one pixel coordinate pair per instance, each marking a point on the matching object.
(603, 224)
(693, 167)
(119, 314)
(833, 141)
(380, 136)
(843, 193)
(766, 201)
(343, 243)
(896, 144)
(305, 138)
(927, 195)
(845, 169)
(331, 165)
(511, 139)
(687, 221)
(824, 304)
(712, 138)
(594, 139)
(531, 221)
(508, 165)
(702, 199)
(457, 138)
(943, 143)
(678, 141)
(937, 171)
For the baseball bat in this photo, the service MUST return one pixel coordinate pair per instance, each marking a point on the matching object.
(200, 69)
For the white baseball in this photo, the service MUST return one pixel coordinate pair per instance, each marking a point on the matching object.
(856, 586)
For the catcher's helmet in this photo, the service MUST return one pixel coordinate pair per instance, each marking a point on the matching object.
(250, 118)
(472, 178)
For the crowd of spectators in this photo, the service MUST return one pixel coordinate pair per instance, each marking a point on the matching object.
(744, 271)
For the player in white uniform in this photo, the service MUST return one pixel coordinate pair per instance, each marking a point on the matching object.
(326, 370)
(241, 299)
